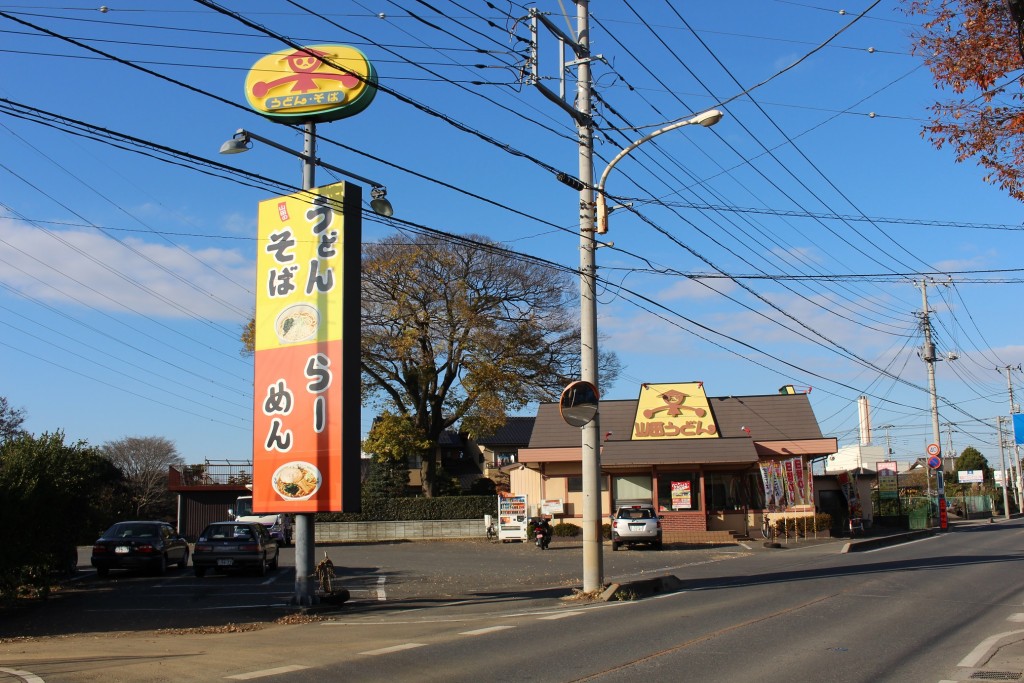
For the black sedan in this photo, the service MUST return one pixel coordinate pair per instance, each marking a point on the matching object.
(139, 545)
(225, 546)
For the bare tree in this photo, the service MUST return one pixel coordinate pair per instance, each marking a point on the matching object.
(144, 462)
(458, 332)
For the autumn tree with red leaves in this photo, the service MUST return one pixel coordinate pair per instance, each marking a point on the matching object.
(973, 48)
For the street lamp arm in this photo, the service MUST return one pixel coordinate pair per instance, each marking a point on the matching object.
(241, 140)
(707, 119)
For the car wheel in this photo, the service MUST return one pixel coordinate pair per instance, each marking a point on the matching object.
(200, 571)
(161, 566)
(615, 546)
(276, 560)
(183, 563)
(261, 570)
(102, 572)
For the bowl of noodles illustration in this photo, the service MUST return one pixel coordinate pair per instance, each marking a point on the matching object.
(296, 480)
(297, 323)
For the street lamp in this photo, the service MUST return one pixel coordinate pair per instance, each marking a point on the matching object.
(590, 447)
(707, 119)
(241, 141)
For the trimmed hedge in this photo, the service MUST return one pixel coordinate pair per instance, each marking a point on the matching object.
(416, 509)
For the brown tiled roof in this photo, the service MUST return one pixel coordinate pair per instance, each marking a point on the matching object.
(771, 417)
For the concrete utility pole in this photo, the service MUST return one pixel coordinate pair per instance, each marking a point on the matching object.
(593, 560)
(1002, 460)
(928, 356)
(1016, 449)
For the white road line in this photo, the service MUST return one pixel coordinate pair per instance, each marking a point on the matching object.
(489, 629)
(26, 676)
(267, 672)
(381, 595)
(978, 653)
(1015, 617)
(393, 648)
(560, 615)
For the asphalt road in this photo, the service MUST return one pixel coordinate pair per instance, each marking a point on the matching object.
(471, 611)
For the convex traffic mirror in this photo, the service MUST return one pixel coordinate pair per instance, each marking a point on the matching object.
(578, 403)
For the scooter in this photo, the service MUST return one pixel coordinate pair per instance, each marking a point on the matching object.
(543, 537)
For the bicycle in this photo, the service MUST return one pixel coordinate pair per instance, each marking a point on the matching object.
(491, 532)
(767, 528)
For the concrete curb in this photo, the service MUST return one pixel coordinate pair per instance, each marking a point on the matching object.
(883, 541)
(642, 588)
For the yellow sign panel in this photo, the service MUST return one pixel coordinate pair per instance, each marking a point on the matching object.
(294, 86)
(299, 268)
(673, 411)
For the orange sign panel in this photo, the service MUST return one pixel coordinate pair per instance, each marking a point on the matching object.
(673, 411)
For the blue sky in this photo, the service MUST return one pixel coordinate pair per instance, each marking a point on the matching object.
(125, 280)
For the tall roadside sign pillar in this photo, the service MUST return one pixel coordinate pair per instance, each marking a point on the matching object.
(306, 410)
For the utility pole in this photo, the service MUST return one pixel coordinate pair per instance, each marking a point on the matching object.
(593, 561)
(928, 356)
(1002, 460)
(1016, 448)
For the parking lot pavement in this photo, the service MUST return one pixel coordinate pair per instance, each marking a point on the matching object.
(393, 575)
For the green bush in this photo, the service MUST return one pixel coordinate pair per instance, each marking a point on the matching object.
(386, 509)
(606, 531)
(566, 529)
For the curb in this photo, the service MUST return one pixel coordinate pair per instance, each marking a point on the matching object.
(883, 541)
(642, 588)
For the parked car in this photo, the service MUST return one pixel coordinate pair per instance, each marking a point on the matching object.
(636, 523)
(225, 546)
(139, 545)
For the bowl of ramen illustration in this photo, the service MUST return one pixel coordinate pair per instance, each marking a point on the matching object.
(296, 480)
(297, 323)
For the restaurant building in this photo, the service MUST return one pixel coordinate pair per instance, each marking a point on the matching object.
(711, 465)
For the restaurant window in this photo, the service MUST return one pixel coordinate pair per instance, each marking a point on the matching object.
(575, 484)
(633, 487)
(678, 491)
(733, 491)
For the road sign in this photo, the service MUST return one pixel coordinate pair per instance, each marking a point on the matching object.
(935, 462)
(933, 449)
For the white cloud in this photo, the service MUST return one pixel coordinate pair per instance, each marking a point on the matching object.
(85, 267)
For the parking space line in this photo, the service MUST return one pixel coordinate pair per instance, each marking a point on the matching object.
(393, 648)
(489, 629)
(267, 672)
(381, 595)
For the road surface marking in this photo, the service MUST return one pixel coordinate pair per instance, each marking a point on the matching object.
(481, 631)
(393, 648)
(972, 660)
(26, 676)
(267, 672)
(560, 615)
(381, 595)
(1015, 617)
